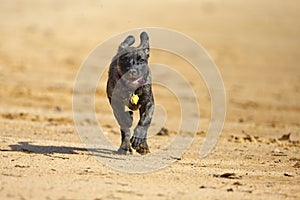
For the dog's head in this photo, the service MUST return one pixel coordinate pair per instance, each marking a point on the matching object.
(132, 62)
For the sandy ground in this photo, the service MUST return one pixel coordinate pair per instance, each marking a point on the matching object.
(256, 46)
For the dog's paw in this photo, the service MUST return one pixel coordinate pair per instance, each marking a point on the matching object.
(140, 145)
(139, 140)
(142, 150)
(122, 151)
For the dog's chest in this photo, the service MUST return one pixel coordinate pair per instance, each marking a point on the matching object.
(130, 98)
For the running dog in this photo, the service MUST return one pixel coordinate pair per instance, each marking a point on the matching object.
(129, 88)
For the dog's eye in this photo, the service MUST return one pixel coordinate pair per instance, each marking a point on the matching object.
(125, 59)
(140, 59)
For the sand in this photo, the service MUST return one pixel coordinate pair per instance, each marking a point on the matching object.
(255, 45)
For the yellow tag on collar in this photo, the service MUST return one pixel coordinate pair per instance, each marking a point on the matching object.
(134, 99)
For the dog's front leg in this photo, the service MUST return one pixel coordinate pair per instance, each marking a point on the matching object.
(139, 139)
(125, 121)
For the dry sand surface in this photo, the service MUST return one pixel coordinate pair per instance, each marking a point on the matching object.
(256, 46)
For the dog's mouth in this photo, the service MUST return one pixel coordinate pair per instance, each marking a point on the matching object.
(134, 82)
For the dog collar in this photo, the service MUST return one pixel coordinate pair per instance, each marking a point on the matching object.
(117, 75)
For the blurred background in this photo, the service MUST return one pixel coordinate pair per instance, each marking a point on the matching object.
(255, 44)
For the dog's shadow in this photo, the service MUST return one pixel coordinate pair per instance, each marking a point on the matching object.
(28, 147)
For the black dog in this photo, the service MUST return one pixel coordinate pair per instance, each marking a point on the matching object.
(129, 85)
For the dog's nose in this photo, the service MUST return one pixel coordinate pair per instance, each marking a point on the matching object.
(132, 72)
(132, 62)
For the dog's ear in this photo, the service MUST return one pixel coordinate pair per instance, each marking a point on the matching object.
(144, 42)
(127, 42)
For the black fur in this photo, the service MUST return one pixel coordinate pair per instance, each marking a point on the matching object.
(129, 75)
